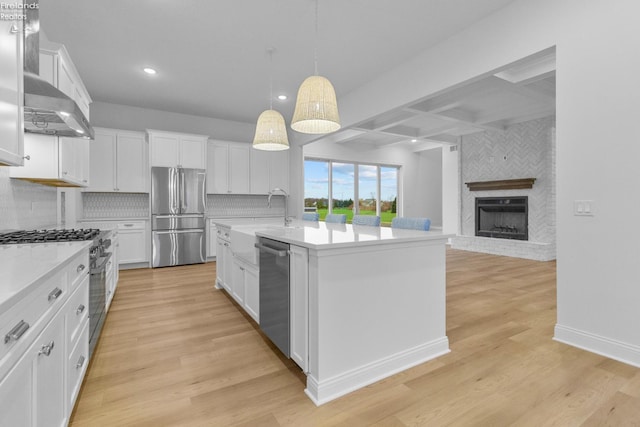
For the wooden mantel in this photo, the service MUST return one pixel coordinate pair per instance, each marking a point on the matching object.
(503, 184)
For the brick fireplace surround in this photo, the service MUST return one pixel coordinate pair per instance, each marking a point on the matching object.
(522, 150)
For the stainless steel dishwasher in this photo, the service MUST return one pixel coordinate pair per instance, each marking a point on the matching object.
(274, 291)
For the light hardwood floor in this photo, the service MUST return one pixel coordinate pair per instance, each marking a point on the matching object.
(175, 351)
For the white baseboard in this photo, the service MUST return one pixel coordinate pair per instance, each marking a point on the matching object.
(617, 350)
(332, 388)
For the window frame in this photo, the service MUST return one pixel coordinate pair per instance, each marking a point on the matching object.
(356, 183)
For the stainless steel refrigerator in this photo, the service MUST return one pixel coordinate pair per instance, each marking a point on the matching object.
(177, 216)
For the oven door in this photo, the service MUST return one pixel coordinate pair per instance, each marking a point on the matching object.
(97, 299)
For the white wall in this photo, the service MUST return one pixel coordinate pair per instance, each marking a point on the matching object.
(410, 188)
(139, 119)
(430, 185)
(450, 190)
(598, 65)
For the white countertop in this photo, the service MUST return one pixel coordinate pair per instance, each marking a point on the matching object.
(237, 222)
(22, 266)
(322, 235)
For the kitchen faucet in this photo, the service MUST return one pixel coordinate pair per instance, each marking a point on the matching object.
(287, 220)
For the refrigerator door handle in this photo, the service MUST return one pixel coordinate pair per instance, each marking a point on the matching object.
(183, 192)
(180, 216)
(195, 230)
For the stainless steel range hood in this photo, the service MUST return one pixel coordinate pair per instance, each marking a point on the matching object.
(47, 110)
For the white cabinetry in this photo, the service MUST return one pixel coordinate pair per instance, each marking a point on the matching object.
(171, 149)
(228, 168)
(40, 339)
(57, 68)
(49, 160)
(269, 170)
(299, 303)
(11, 95)
(212, 239)
(132, 238)
(246, 287)
(119, 162)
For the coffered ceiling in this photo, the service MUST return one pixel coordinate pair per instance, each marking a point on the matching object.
(520, 92)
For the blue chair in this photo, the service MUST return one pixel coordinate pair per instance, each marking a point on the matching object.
(310, 216)
(336, 218)
(411, 223)
(371, 220)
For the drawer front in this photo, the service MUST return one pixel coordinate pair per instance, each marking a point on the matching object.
(78, 269)
(131, 225)
(24, 320)
(77, 365)
(76, 311)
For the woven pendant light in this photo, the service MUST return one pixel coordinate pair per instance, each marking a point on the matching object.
(316, 109)
(271, 131)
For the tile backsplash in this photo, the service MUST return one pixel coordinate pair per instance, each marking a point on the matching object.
(115, 205)
(243, 205)
(134, 205)
(25, 205)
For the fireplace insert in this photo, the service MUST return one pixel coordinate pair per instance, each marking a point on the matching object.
(502, 217)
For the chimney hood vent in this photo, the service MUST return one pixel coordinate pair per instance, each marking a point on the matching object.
(47, 110)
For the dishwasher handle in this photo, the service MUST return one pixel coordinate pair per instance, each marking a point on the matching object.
(280, 253)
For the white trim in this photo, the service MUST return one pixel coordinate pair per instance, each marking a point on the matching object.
(613, 349)
(332, 388)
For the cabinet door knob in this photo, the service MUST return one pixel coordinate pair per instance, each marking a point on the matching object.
(46, 349)
(80, 268)
(80, 309)
(64, 173)
(27, 157)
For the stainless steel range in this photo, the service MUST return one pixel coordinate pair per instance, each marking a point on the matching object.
(99, 256)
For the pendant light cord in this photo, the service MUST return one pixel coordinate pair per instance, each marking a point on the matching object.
(315, 43)
(270, 78)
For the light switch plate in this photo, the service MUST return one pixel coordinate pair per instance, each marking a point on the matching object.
(583, 207)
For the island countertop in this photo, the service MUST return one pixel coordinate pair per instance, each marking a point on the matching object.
(322, 235)
(24, 265)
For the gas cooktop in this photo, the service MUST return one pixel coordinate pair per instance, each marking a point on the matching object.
(45, 236)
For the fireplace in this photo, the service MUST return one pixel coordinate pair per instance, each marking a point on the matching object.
(502, 217)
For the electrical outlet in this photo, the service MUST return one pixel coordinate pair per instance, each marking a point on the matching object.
(583, 207)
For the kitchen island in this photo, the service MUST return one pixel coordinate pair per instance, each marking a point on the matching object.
(366, 302)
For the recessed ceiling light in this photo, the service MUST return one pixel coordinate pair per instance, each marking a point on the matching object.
(150, 71)
(80, 131)
(64, 114)
(414, 140)
(282, 97)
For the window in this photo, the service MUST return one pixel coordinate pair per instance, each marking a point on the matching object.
(316, 186)
(334, 187)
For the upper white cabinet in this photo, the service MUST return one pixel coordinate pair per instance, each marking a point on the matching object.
(269, 170)
(11, 95)
(49, 160)
(228, 168)
(236, 168)
(119, 162)
(57, 68)
(172, 149)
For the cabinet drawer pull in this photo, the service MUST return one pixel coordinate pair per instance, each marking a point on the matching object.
(46, 349)
(128, 225)
(80, 309)
(80, 362)
(16, 332)
(54, 294)
(80, 268)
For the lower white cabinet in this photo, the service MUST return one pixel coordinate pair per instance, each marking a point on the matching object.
(245, 288)
(212, 239)
(133, 241)
(299, 305)
(38, 386)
